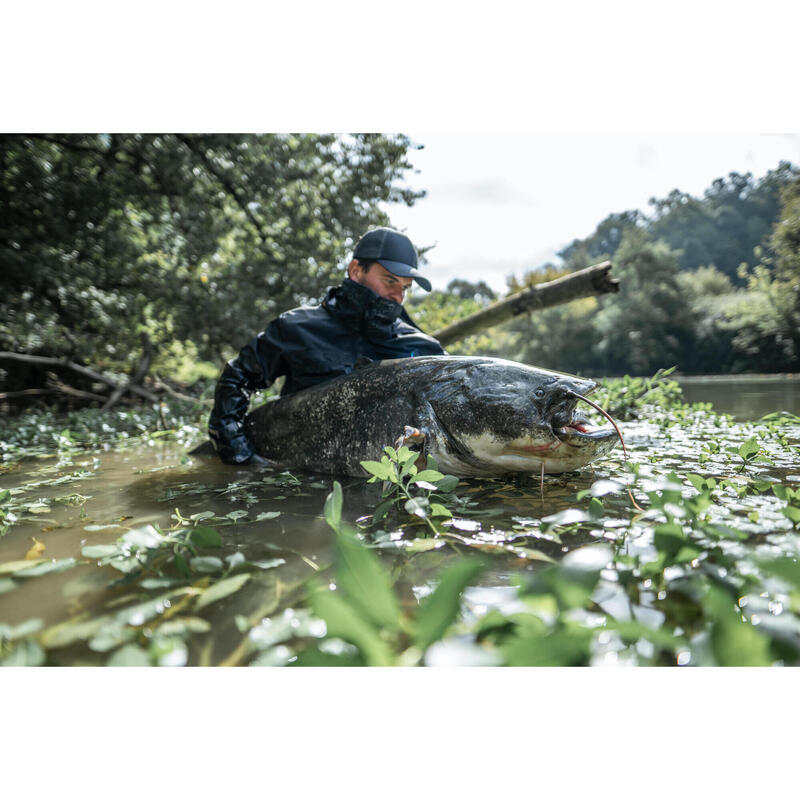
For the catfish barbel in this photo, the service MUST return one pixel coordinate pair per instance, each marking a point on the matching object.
(475, 416)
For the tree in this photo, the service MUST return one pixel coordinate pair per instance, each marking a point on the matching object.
(198, 239)
(646, 326)
(767, 318)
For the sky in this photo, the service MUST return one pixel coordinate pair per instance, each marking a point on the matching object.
(500, 204)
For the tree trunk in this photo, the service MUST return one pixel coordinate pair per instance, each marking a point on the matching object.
(593, 280)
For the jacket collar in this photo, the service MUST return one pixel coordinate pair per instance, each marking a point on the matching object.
(360, 309)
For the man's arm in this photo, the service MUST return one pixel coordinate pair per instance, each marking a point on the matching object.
(258, 364)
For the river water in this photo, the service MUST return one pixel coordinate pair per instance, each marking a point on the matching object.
(79, 499)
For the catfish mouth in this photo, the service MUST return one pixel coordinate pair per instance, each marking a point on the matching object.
(573, 427)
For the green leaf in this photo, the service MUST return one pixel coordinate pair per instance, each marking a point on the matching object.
(438, 510)
(418, 506)
(100, 550)
(344, 621)
(206, 564)
(749, 449)
(429, 475)
(440, 608)
(697, 481)
(5, 496)
(669, 538)
(382, 509)
(236, 515)
(379, 470)
(268, 515)
(203, 536)
(221, 589)
(786, 568)
(366, 583)
(333, 507)
(130, 655)
(46, 568)
(448, 483)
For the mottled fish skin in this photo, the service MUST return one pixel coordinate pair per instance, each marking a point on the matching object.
(479, 416)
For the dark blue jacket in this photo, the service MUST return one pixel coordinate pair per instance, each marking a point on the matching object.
(310, 345)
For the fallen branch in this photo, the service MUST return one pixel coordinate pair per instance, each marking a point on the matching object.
(24, 393)
(71, 391)
(593, 280)
(45, 361)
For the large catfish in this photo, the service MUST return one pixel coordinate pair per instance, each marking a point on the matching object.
(475, 416)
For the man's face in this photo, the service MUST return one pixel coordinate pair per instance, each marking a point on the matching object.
(380, 280)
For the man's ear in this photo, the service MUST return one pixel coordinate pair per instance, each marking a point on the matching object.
(354, 270)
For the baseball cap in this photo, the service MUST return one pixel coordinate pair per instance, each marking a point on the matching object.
(393, 251)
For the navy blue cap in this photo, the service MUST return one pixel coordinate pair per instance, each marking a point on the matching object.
(393, 251)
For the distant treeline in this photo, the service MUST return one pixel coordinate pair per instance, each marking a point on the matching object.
(709, 284)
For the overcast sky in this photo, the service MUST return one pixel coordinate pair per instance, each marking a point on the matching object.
(498, 204)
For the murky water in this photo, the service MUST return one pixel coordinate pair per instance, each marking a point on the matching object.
(84, 500)
(746, 397)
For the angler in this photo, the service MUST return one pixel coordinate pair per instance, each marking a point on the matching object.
(475, 416)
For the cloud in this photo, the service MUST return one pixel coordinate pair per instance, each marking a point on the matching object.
(487, 191)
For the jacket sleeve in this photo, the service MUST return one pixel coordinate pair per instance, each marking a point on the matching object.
(258, 364)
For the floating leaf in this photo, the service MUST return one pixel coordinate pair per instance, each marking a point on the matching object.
(236, 515)
(100, 550)
(129, 656)
(264, 515)
(35, 551)
(147, 537)
(221, 589)
(206, 564)
(46, 567)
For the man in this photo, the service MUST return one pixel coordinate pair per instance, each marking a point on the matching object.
(361, 319)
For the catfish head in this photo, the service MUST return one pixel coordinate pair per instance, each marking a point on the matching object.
(493, 416)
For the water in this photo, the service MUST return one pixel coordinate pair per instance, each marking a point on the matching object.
(80, 500)
(746, 397)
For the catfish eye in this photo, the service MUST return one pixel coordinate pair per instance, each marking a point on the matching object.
(539, 393)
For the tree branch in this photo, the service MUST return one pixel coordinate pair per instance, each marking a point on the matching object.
(226, 184)
(45, 361)
(583, 283)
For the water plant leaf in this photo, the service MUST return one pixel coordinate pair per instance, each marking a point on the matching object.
(439, 609)
(447, 483)
(204, 536)
(130, 655)
(100, 550)
(145, 537)
(366, 583)
(264, 515)
(221, 589)
(206, 564)
(332, 510)
(345, 621)
(378, 469)
(749, 449)
(430, 475)
(417, 506)
(46, 567)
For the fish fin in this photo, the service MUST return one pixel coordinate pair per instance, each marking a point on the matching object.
(410, 436)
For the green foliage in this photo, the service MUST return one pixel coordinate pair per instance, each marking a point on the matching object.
(192, 239)
(420, 493)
